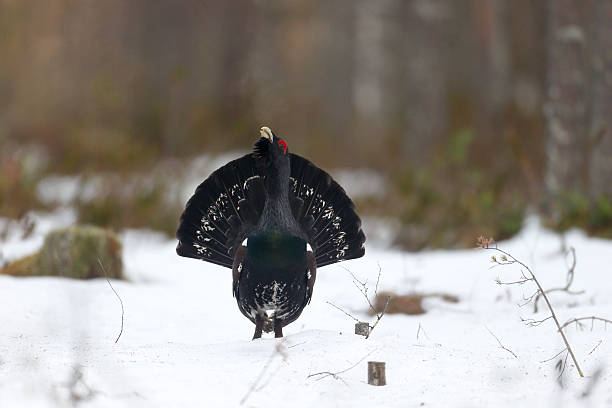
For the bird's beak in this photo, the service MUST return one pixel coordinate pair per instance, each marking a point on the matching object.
(266, 133)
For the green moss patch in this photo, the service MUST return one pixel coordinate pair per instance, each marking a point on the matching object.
(74, 252)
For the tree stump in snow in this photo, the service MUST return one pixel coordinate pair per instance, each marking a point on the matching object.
(362, 328)
(376, 373)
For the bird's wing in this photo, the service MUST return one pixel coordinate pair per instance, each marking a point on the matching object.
(222, 212)
(325, 213)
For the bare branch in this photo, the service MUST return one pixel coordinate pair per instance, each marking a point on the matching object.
(570, 270)
(295, 345)
(336, 375)
(118, 297)
(377, 280)
(566, 288)
(562, 364)
(379, 316)
(518, 282)
(555, 356)
(500, 343)
(596, 346)
(591, 318)
(421, 329)
(362, 286)
(527, 300)
(346, 313)
(534, 322)
(507, 257)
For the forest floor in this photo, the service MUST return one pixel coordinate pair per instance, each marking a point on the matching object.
(185, 344)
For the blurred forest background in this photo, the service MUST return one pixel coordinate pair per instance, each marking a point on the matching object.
(474, 113)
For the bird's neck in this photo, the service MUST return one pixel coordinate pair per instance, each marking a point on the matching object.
(277, 214)
(277, 180)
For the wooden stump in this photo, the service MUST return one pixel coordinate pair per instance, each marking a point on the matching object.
(362, 328)
(376, 373)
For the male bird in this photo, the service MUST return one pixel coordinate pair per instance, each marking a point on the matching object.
(272, 217)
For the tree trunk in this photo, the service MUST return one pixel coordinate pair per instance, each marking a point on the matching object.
(567, 96)
(599, 144)
(425, 115)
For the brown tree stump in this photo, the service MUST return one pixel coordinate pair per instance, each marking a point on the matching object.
(376, 373)
(362, 329)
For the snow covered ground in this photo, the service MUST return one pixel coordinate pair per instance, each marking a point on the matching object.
(185, 343)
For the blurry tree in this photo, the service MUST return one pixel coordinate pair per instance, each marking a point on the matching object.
(600, 126)
(568, 65)
(446, 98)
(426, 83)
(579, 114)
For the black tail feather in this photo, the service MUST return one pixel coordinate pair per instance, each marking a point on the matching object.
(226, 207)
(325, 213)
(221, 213)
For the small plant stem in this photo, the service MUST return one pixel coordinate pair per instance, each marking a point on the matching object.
(554, 316)
(591, 318)
(550, 308)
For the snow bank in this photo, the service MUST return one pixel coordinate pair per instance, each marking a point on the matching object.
(186, 344)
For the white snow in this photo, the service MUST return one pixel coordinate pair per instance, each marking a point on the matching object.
(185, 343)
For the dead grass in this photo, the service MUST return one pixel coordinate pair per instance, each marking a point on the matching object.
(410, 304)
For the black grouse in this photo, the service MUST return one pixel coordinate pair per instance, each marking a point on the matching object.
(273, 217)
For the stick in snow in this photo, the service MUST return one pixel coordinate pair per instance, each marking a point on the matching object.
(118, 297)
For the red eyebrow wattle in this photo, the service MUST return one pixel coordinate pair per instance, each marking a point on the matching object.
(284, 144)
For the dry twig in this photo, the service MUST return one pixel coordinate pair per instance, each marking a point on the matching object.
(555, 356)
(422, 329)
(581, 325)
(596, 346)
(419, 332)
(343, 311)
(118, 297)
(362, 287)
(508, 259)
(568, 284)
(379, 316)
(500, 343)
(336, 375)
(561, 366)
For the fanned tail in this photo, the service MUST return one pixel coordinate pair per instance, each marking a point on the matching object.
(325, 213)
(221, 213)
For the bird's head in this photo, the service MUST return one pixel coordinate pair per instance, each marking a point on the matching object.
(269, 149)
